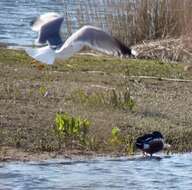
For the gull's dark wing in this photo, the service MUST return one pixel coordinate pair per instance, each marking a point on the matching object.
(50, 32)
(97, 39)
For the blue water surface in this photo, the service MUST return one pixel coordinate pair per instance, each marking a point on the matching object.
(172, 172)
(15, 16)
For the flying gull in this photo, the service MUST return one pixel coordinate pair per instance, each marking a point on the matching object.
(49, 28)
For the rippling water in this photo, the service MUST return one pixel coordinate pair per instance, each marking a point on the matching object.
(173, 172)
(15, 16)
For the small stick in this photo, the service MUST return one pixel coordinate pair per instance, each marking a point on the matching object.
(161, 78)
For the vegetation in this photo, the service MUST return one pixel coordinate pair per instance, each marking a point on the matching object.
(71, 130)
(133, 21)
(113, 98)
(123, 142)
(45, 110)
(167, 24)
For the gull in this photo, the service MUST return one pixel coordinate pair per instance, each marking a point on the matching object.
(49, 27)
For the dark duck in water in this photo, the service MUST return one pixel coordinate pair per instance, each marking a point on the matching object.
(150, 143)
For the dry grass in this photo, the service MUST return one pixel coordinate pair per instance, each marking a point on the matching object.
(162, 29)
(136, 20)
(175, 50)
(30, 99)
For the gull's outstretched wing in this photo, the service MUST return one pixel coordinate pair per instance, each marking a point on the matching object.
(48, 26)
(99, 40)
(38, 22)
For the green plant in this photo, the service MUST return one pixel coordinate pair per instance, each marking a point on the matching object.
(121, 141)
(42, 90)
(72, 130)
(116, 138)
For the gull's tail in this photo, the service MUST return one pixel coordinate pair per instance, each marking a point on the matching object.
(44, 54)
(134, 53)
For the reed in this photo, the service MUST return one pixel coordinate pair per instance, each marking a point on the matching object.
(133, 21)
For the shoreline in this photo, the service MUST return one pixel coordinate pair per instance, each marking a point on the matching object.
(15, 155)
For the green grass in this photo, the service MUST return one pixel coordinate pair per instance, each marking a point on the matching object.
(99, 89)
(108, 65)
(127, 67)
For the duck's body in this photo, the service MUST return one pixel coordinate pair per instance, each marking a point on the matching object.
(49, 27)
(150, 143)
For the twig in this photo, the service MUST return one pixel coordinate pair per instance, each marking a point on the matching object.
(160, 78)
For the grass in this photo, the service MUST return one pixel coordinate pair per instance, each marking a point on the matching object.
(110, 98)
(99, 89)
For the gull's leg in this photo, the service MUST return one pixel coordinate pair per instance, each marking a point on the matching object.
(38, 65)
(33, 62)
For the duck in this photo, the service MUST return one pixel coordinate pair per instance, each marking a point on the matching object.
(50, 28)
(151, 143)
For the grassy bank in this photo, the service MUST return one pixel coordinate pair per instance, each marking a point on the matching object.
(101, 90)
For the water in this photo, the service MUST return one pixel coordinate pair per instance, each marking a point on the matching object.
(15, 16)
(122, 18)
(173, 172)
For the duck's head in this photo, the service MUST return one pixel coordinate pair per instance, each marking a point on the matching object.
(157, 134)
